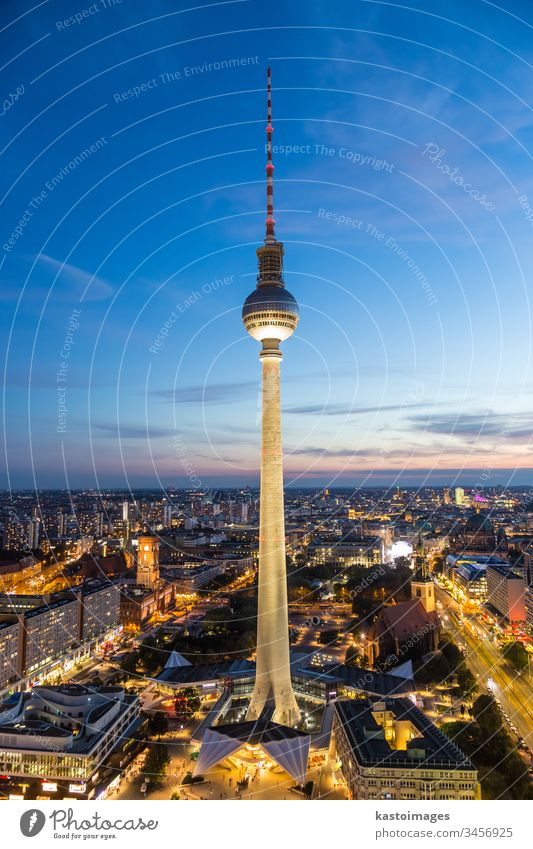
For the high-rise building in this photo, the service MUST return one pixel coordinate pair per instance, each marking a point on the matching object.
(446, 495)
(34, 533)
(270, 315)
(37, 632)
(506, 591)
(168, 511)
(148, 562)
(459, 496)
(15, 534)
(61, 524)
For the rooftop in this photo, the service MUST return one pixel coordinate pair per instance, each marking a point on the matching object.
(429, 748)
(332, 675)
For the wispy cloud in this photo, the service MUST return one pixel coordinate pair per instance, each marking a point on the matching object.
(214, 393)
(132, 431)
(344, 409)
(314, 451)
(84, 285)
(489, 423)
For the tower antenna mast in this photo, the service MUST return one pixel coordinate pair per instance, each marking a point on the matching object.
(270, 222)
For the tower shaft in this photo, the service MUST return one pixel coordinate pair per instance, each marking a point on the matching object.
(273, 674)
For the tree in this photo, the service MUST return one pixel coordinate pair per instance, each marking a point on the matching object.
(402, 562)
(191, 694)
(438, 564)
(452, 653)
(487, 743)
(432, 670)
(342, 594)
(516, 654)
(129, 663)
(298, 592)
(466, 681)
(158, 723)
(153, 652)
(328, 637)
(353, 657)
(156, 763)
(445, 665)
(187, 702)
(487, 714)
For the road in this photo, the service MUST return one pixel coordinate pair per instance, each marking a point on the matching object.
(484, 658)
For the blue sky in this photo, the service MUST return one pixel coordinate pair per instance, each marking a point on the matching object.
(404, 197)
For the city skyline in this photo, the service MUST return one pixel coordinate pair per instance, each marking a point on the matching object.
(133, 197)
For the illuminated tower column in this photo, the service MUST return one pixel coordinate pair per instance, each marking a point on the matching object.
(148, 562)
(270, 315)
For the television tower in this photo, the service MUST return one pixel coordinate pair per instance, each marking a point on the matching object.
(270, 315)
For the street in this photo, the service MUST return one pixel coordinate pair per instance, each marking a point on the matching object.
(495, 675)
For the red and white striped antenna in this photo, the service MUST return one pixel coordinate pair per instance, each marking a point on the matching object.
(270, 237)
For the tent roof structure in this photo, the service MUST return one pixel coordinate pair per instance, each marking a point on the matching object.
(176, 660)
(287, 746)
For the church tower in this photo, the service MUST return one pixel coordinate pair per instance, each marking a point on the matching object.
(422, 587)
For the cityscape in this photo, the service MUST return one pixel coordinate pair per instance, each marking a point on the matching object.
(410, 611)
(261, 539)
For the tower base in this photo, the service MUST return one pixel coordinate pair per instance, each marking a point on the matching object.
(284, 709)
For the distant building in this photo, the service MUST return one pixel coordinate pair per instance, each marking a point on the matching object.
(108, 566)
(91, 524)
(168, 512)
(379, 528)
(19, 574)
(506, 593)
(470, 581)
(478, 537)
(189, 577)
(21, 534)
(119, 528)
(459, 496)
(468, 575)
(528, 603)
(526, 548)
(34, 533)
(390, 750)
(355, 551)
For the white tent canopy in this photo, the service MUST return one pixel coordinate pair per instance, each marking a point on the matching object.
(287, 747)
(175, 659)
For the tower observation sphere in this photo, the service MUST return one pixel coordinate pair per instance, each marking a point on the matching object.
(270, 312)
